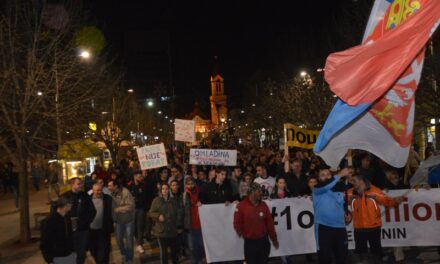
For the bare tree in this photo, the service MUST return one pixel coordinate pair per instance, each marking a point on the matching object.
(46, 91)
(300, 100)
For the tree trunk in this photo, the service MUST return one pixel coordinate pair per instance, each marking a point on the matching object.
(23, 192)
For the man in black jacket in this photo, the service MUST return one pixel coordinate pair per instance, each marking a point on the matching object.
(101, 227)
(138, 190)
(56, 234)
(217, 191)
(82, 214)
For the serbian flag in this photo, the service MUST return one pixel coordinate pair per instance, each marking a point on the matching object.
(376, 83)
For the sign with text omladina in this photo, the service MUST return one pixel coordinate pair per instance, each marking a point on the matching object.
(218, 157)
(184, 130)
(153, 156)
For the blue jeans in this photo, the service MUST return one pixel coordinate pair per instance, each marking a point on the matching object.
(121, 231)
(195, 243)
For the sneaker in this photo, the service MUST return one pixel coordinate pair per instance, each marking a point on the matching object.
(140, 249)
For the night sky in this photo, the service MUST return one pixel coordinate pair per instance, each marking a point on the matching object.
(250, 38)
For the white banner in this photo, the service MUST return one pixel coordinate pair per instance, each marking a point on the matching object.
(184, 130)
(219, 157)
(153, 156)
(414, 223)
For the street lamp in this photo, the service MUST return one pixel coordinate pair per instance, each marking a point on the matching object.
(242, 111)
(39, 93)
(85, 54)
(150, 104)
(303, 73)
(130, 90)
(159, 112)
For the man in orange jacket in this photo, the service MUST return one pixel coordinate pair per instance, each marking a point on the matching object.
(364, 199)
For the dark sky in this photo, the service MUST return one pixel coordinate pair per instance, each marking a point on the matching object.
(250, 38)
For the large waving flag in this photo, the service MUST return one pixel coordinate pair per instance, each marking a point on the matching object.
(376, 83)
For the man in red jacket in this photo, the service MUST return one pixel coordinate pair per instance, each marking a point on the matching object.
(253, 221)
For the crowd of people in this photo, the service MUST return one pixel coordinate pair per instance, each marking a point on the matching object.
(142, 206)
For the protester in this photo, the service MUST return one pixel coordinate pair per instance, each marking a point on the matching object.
(101, 227)
(217, 191)
(177, 175)
(178, 195)
(253, 222)
(266, 182)
(82, 214)
(89, 181)
(56, 242)
(52, 181)
(235, 181)
(99, 181)
(330, 217)
(123, 216)
(138, 190)
(393, 182)
(101, 173)
(248, 178)
(201, 178)
(150, 180)
(191, 199)
(365, 199)
(280, 191)
(311, 183)
(168, 216)
(295, 178)
(37, 172)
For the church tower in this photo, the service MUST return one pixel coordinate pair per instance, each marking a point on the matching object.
(219, 109)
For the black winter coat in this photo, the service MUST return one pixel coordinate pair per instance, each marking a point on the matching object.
(213, 193)
(83, 208)
(56, 237)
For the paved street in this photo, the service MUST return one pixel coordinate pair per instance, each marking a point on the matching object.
(12, 252)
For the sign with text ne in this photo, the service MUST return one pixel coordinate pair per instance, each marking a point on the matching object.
(300, 137)
(153, 156)
(218, 157)
(184, 130)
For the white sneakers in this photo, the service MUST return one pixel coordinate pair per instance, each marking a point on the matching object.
(140, 249)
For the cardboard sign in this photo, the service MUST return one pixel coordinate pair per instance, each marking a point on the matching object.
(218, 157)
(184, 130)
(300, 137)
(151, 157)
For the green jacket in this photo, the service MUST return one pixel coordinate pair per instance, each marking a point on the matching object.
(173, 213)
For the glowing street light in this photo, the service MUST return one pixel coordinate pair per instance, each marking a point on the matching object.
(130, 90)
(242, 111)
(159, 112)
(39, 93)
(85, 54)
(150, 104)
(303, 73)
